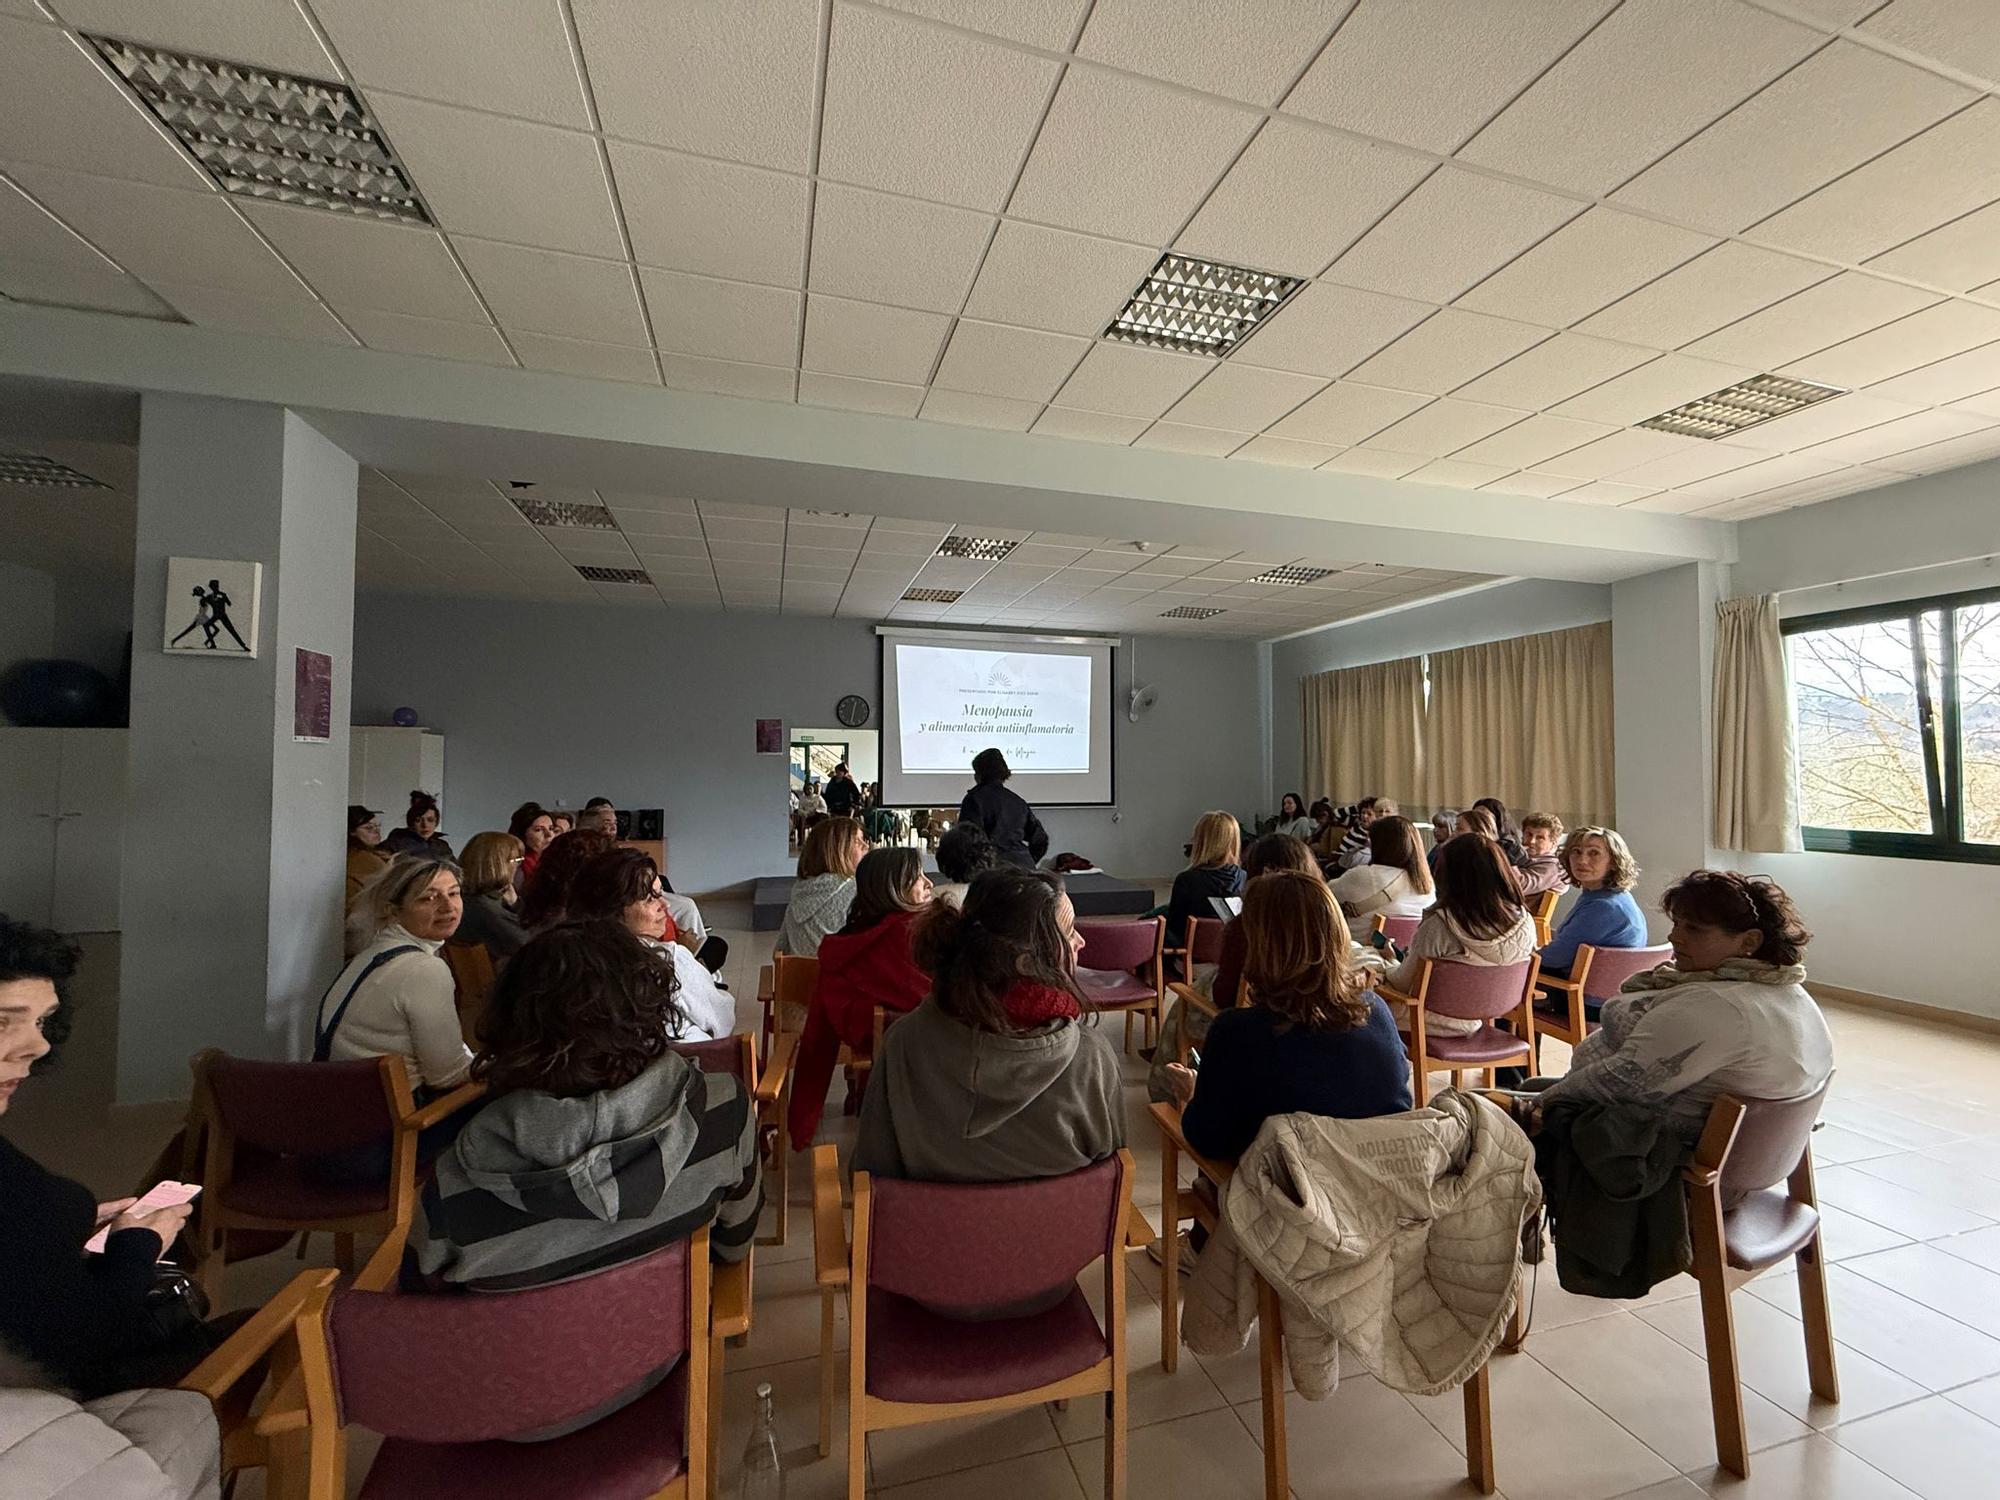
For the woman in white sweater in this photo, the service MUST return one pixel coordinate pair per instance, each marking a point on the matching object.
(1396, 881)
(1477, 919)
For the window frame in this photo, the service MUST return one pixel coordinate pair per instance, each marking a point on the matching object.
(1944, 781)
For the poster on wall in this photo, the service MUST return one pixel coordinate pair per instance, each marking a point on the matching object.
(312, 696)
(212, 607)
(770, 736)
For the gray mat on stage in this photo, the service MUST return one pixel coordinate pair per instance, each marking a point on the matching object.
(1091, 895)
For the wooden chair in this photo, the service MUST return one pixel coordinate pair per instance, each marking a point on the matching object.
(1595, 975)
(919, 1246)
(471, 982)
(1202, 944)
(1543, 909)
(1397, 929)
(1204, 1206)
(1112, 950)
(263, 1122)
(784, 989)
(1470, 992)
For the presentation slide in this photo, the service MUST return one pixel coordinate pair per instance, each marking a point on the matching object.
(1042, 702)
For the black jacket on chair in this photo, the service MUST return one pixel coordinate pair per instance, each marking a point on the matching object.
(1008, 821)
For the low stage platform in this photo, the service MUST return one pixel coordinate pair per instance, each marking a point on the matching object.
(1091, 895)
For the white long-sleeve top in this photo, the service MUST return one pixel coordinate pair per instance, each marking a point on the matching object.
(404, 1009)
(710, 1010)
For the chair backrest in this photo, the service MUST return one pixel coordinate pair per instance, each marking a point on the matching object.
(471, 982)
(1204, 940)
(1112, 946)
(303, 1108)
(1398, 929)
(451, 1368)
(978, 1245)
(794, 977)
(1478, 992)
(1611, 967)
(1543, 910)
(1773, 1136)
(728, 1054)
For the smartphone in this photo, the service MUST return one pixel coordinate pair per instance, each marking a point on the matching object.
(1194, 1058)
(160, 1195)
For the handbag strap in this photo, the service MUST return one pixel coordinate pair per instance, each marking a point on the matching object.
(323, 1035)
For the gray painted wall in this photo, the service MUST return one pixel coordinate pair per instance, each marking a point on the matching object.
(77, 614)
(652, 710)
(27, 614)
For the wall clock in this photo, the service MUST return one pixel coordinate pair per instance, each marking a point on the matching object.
(852, 711)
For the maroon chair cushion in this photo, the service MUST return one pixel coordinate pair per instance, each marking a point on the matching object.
(1105, 988)
(635, 1452)
(1765, 1228)
(916, 1355)
(721, 1055)
(303, 1109)
(1488, 1044)
(285, 1188)
(1118, 945)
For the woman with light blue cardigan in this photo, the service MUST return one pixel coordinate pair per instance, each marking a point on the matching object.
(1598, 863)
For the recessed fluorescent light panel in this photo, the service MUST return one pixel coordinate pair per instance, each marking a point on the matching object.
(985, 548)
(932, 596)
(1199, 306)
(265, 134)
(564, 513)
(1760, 399)
(1192, 612)
(32, 468)
(1292, 575)
(613, 575)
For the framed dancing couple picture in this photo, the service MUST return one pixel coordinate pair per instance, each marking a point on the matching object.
(212, 607)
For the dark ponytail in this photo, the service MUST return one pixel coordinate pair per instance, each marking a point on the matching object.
(1008, 932)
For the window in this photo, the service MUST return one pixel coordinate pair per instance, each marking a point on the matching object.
(1898, 724)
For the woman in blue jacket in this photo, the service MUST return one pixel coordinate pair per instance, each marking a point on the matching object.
(1598, 863)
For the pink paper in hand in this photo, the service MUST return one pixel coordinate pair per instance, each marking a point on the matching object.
(161, 1195)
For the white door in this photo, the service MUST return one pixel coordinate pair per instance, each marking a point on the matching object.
(90, 832)
(29, 776)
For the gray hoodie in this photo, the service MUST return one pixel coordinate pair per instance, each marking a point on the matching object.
(818, 906)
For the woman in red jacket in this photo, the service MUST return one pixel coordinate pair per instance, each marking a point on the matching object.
(865, 964)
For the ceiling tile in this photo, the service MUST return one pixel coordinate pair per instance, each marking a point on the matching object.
(1099, 166)
(1958, 256)
(99, 286)
(899, 251)
(1948, 380)
(1961, 33)
(850, 394)
(264, 33)
(1297, 197)
(1564, 366)
(1690, 465)
(715, 218)
(60, 107)
(1652, 388)
(721, 319)
(1528, 483)
(1907, 344)
(1616, 453)
(1787, 468)
(1834, 417)
(1050, 278)
(1712, 290)
(719, 80)
(1346, 413)
(504, 179)
(1049, 24)
(1450, 233)
(1899, 436)
(876, 343)
(1242, 398)
(1445, 427)
(296, 317)
(1290, 453)
(1607, 492)
(161, 234)
(1456, 474)
(1849, 304)
(1949, 454)
(977, 103)
(1327, 329)
(543, 291)
(1593, 260)
(1131, 382)
(460, 52)
(400, 333)
(728, 377)
(1090, 426)
(1949, 170)
(29, 232)
(994, 359)
(1831, 113)
(1609, 108)
(1177, 437)
(357, 263)
(1448, 350)
(1430, 75)
(1245, 49)
(1527, 443)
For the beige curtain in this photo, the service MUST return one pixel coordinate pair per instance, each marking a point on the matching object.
(1526, 720)
(1363, 730)
(1756, 787)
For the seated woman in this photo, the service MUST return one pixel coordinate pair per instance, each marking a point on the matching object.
(536, 830)
(1444, 827)
(1293, 818)
(1324, 840)
(1268, 852)
(1504, 829)
(1729, 1015)
(71, 1318)
(1312, 1039)
(825, 886)
(365, 856)
(489, 920)
(560, 823)
(865, 964)
(1477, 919)
(1212, 871)
(623, 886)
(1396, 881)
(419, 834)
(962, 853)
(996, 1077)
(547, 896)
(1602, 869)
(1540, 867)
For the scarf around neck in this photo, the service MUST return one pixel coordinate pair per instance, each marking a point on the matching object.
(1031, 1005)
(1729, 971)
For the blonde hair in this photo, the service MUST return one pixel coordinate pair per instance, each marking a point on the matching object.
(1624, 872)
(1218, 840)
(829, 848)
(405, 876)
(488, 862)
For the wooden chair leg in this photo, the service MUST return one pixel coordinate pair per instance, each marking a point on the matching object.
(1725, 1387)
(1170, 1258)
(857, 1448)
(1479, 1432)
(714, 1416)
(1115, 1423)
(826, 1371)
(1271, 1390)
(782, 1168)
(1819, 1322)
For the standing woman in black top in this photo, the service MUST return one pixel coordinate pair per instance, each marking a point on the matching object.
(1003, 816)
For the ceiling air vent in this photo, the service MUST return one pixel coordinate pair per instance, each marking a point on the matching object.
(932, 596)
(985, 548)
(1199, 307)
(564, 513)
(265, 134)
(1192, 612)
(1292, 575)
(1760, 399)
(612, 575)
(32, 468)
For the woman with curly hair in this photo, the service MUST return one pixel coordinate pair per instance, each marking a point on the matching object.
(546, 897)
(624, 886)
(599, 1143)
(1600, 865)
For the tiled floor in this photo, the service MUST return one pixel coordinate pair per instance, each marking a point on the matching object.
(1608, 1400)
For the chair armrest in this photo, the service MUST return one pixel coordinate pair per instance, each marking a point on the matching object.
(1139, 1231)
(1565, 986)
(1194, 998)
(729, 1298)
(830, 1259)
(767, 984)
(1168, 1118)
(777, 1069)
(447, 1104)
(1700, 1176)
(286, 1410)
(1390, 993)
(241, 1352)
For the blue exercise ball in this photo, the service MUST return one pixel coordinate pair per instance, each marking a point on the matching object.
(50, 694)
(404, 717)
